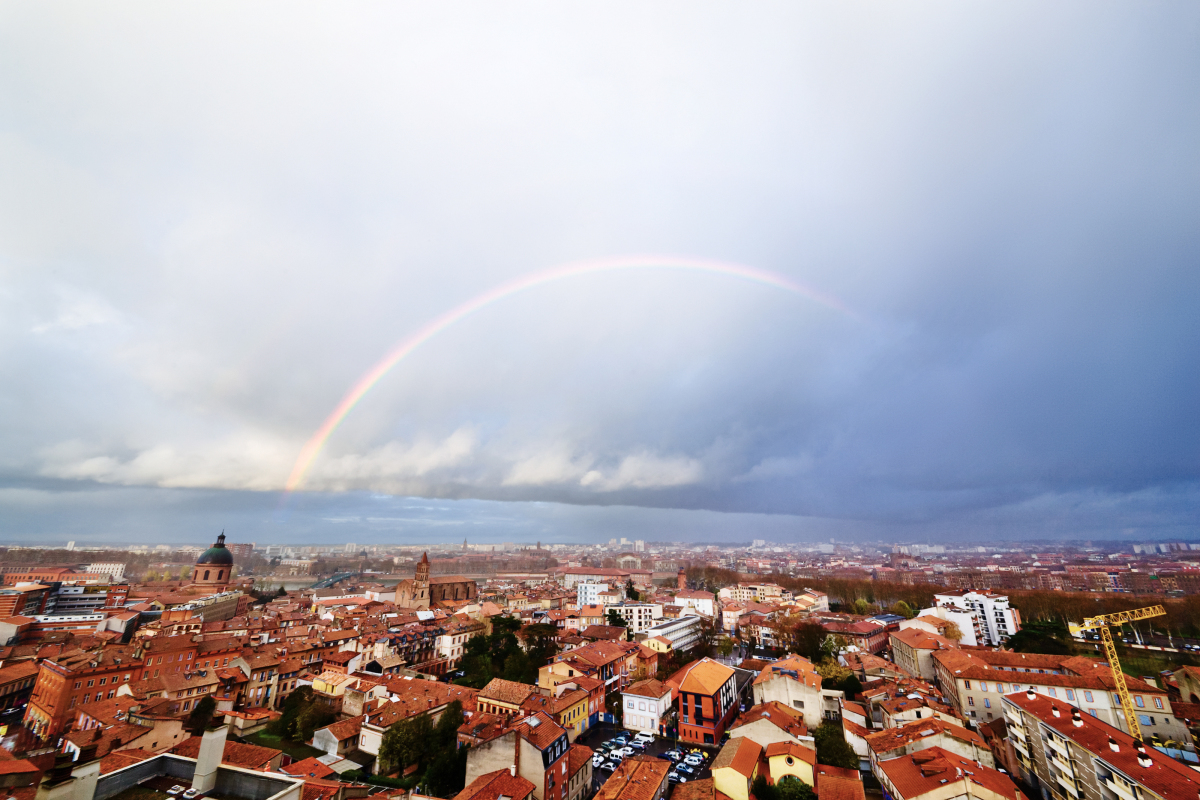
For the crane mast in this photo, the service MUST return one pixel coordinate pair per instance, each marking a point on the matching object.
(1101, 624)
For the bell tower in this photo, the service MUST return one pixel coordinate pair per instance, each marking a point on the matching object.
(421, 583)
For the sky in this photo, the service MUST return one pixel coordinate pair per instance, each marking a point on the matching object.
(957, 292)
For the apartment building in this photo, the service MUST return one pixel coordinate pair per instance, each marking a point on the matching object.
(983, 617)
(588, 594)
(794, 682)
(638, 616)
(1067, 754)
(681, 632)
(707, 695)
(975, 682)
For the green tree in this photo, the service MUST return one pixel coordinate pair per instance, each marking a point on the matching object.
(615, 619)
(807, 638)
(832, 747)
(201, 716)
(405, 743)
(447, 772)
(725, 647)
(516, 667)
(630, 592)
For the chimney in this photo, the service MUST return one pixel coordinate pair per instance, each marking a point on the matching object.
(512, 770)
(1112, 745)
(1054, 710)
(208, 760)
(1031, 694)
(1076, 719)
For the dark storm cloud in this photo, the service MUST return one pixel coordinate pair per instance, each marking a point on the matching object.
(214, 220)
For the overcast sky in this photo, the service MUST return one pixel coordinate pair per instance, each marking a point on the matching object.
(215, 218)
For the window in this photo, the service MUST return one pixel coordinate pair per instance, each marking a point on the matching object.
(987, 703)
(91, 683)
(1145, 719)
(85, 698)
(1000, 688)
(1140, 702)
(78, 684)
(1052, 692)
(1087, 696)
(798, 703)
(1070, 694)
(983, 686)
(102, 680)
(970, 701)
(967, 684)
(1092, 711)
(1158, 703)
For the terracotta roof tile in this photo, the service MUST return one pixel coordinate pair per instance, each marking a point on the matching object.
(935, 767)
(740, 754)
(638, 778)
(494, 785)
(701, 677)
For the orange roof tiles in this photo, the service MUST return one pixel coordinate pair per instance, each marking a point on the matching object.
(791, 749)
(740, 754)
(494, 785)
(806, 673)
(891, 739)
(249, 756)
(784, 718)
(701, 677)
(935, 767)
(638, 778)
(648, 688)
(510, 692)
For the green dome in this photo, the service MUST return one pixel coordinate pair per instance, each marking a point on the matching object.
(217, 554)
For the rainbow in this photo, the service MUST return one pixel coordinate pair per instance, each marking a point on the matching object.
(312, 448)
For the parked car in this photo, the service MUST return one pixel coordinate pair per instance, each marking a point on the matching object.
(674, 755)
(609, 766)
(645, 736)
(597, 760)
(684, 769)
(637, 744)
(675, 777)
(693, 759)
(176, 790)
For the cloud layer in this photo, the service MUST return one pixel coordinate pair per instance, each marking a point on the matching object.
(214, 220)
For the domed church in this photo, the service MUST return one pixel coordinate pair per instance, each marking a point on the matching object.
(214, 567)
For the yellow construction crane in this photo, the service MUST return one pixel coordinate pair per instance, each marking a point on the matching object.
(1101, 624)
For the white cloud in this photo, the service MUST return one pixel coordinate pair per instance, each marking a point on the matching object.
(78, 310)
(646, 471)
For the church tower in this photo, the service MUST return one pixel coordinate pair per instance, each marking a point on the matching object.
(421, 583)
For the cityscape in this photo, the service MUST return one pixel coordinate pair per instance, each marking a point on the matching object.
(626, 401)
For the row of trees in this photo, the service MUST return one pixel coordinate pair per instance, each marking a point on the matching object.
(301, 716)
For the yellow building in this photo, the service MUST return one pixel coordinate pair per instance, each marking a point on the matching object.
(790, 758)
(736, 767)
(659, 644)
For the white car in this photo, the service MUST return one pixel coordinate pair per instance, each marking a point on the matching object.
(694, 760)
(645, 737)
(597, 760)
(176, 790)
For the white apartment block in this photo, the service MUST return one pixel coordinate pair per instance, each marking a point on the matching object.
(588, 594)
(682, 632)
(638, 616)
(114, 569)
(758, 593)
(983, 618)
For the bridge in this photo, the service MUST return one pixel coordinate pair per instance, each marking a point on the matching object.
(332, 579)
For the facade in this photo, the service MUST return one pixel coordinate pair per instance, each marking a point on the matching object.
(700, 601)
(983, 616)
(1066, 754)
(588, 594)
(707, 693)
(638, 616)
(643, 705)
(913, 649)
(682, 632)
(72, 681)
(794, 682)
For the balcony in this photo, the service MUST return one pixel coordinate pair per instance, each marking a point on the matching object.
(1118, 787)
(1060, 747)
(1068, 783)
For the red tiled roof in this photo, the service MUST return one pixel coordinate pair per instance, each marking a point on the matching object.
(310, 768)
(740, 754)
(935, 767)
(701, 677)
(638, 778)
(249, 756)
(494, 785)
